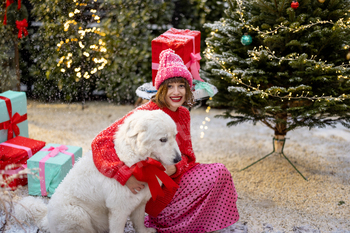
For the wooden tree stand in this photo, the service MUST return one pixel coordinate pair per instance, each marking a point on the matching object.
(278, 144)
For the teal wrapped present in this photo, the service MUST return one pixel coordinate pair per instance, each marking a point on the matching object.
(13, 115)
(50, 165)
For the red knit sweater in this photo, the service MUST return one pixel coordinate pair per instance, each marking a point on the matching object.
(108, 163)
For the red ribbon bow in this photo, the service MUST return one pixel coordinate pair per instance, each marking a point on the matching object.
(148, 171)
(21, 26)
(8, 3)
(11, 125)
(195, 66)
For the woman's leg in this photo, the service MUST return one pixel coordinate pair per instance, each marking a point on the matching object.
(205, 202)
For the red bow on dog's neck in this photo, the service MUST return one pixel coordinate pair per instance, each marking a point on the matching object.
(148, 171)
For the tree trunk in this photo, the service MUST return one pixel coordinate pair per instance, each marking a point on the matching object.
(280, 132)
(279, 143)
(18, 73)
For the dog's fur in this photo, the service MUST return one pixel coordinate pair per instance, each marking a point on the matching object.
(86, 201)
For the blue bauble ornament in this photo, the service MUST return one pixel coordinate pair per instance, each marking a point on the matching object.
(246, 39)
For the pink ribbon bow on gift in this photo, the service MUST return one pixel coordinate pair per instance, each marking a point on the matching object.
(54, 151)
(195, 66)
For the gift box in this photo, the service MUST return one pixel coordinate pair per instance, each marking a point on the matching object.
(52, 164)
(203, 90)
(13, 115)
(185, 43)
(14, 154)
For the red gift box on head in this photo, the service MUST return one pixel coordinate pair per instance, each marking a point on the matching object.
(185, 43)
(14, 153)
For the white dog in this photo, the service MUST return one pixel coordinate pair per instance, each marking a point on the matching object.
(86, 201)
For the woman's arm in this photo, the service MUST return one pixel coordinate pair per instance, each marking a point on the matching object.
(184, 141)
(105, 157)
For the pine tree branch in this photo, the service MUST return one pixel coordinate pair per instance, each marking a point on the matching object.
(269, 8)
(324, 45)
(263, 120)
(282, 6)
(267, 124)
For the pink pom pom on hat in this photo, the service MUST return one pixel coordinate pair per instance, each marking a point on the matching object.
(170, 66)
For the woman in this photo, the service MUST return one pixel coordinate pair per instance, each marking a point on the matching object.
(206, 198)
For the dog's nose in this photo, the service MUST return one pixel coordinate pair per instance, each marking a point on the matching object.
(177, 157)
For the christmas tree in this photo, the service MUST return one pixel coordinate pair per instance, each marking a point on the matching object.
(68, 50)
(128, 26)
(13, 29)
(282, 63)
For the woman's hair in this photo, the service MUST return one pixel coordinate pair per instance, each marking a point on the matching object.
(159, 98)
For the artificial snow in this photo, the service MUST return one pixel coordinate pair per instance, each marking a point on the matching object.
(273, 197)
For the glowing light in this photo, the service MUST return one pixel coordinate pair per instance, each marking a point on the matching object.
(81, 45)
(86, 75)
(94, 71)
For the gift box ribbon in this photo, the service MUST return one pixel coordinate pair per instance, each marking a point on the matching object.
(53, 152)
(29, 150)
(195, 57)
(15, 171)
(148, 171)
(11, 125)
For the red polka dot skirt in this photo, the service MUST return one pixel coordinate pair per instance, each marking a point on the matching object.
(205, 201)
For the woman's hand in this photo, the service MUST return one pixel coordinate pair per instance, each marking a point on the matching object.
(134, 185)
(170, 169)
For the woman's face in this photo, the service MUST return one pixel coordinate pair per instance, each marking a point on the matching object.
(176, 95)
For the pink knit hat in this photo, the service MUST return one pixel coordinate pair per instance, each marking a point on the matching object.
(170, 66)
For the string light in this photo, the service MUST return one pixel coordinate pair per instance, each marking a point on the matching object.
(99, 47)
(206, 119)
(256, 53)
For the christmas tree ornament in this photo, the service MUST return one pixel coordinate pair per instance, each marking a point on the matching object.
(348, 55)
(246, 39)
(294, 5)
(321, 1)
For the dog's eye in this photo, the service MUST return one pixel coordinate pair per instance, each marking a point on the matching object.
(163, 139)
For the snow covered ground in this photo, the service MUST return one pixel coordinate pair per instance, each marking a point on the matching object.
(273, 197)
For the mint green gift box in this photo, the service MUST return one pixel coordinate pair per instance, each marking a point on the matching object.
(56, 168)
(19, 105)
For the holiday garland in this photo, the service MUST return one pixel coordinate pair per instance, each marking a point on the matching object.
(16, 16)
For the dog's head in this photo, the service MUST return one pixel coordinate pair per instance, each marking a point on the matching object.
(148, 134)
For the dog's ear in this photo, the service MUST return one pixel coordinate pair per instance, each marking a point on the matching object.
(134, 128)
(143, 146)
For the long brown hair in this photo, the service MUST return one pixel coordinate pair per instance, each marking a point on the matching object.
(159, 98)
